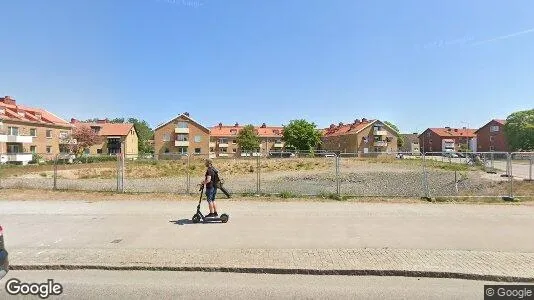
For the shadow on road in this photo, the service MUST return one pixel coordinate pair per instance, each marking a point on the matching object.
(182, 222)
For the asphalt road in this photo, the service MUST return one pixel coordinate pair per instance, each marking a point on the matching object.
(281, 225)
(178, 285)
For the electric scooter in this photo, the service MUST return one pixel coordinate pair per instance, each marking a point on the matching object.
(198, 216)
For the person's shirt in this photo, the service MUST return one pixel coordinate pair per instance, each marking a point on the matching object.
(210, 172)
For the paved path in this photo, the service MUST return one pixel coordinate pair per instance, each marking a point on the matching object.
(472, 239)
(179, 285)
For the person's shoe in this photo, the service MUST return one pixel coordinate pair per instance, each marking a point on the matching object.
(209, 215)
(215, 215)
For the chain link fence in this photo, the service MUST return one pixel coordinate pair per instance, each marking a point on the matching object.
(287, 174)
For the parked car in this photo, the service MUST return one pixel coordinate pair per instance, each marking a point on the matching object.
(450, 154)
(4, 262)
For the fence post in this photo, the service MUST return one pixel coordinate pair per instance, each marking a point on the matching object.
(530, 168)
(188, 175)
(55, 172)
(258, 179)
(425, 179)
(337, 176)
(118, 172)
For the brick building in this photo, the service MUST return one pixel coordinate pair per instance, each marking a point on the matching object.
(360, 136)
(223, 140)
(491, 137)
(437, 139)
(25, 131)
(181, 135)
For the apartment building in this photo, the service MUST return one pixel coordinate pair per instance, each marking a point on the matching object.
(448, 139)
(25, 131)
(113, 136)
(223, 140)
(361, 136)
(491, 137)
(180, 136)
(411, 143)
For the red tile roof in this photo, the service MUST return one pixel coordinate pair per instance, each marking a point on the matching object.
(109, 129)
(343, 129)
(454, 132)
(263, 131)
(16, 112)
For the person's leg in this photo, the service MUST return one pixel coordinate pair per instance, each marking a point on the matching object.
(213, 201)
(209, 198)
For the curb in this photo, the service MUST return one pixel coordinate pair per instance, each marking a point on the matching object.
(283, 271)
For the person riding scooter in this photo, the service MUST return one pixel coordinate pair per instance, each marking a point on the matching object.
(211, 178)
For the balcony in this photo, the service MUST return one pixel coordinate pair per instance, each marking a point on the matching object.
(380, 132)
(380, 144)
(278, 145)
(212, 144)
(181, 130)
(181, 143)
(223, 154)
(23, 158)
(223, 145)
(24, 139)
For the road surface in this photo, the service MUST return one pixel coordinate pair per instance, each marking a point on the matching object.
(179, 285)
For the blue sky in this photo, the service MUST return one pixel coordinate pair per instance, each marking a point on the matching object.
(418, 64)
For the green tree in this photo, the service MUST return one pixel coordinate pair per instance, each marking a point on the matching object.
(400, 138)
(301, 135)
(117, 121)
(248, 139)
(519, 130)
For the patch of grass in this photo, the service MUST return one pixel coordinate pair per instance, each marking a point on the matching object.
(286, 194)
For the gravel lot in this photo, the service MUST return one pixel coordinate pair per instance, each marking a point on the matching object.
(355, 179)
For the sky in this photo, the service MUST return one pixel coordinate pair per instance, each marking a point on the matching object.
(417, 64)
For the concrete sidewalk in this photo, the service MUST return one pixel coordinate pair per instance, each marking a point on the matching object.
(477, 265)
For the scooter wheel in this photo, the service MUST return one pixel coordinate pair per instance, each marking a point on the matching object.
(224, 218)
(195, 218)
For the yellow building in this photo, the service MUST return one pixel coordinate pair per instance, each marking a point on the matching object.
(113, 138)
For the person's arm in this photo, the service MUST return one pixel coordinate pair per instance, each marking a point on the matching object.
(208, 177)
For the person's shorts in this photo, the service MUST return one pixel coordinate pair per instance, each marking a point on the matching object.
(210, 194)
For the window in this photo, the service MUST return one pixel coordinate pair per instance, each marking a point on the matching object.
(13, 148)
(224, 150)
(198, 138)
(428, 133)
(233, 131)
(33, 132)
(492, 148)
(197, 150)
(48, 149)
(182, 137)
(223, 141)
(182, 124)
(33, 149)
(494, 129)
(49, 133)
(98, 151)
(491, 138)
(182, 150)
(234, 142)
(13, 131)
(63, 134)
(234, 150)
(166, 150)
(166, 137)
